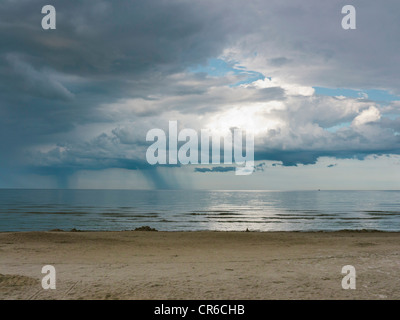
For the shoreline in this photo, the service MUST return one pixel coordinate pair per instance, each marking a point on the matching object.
(198, 265)
(222, 231)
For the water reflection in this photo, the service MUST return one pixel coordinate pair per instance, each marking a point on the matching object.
(23, 210)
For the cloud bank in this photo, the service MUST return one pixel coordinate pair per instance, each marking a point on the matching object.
(83, 96)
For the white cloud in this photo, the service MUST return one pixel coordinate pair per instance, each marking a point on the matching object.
(367, 116)
(291, 89)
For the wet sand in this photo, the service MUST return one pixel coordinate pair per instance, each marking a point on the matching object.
(200, 265)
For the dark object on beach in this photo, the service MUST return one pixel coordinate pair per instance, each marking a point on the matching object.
(145, 228)
(75, 230)
(247, 230)
(56, 230)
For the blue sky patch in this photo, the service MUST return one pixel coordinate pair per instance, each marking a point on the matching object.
(371, 94)
(339, 126)
(220, 68)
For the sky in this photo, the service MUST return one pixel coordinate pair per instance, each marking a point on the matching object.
(77, 102)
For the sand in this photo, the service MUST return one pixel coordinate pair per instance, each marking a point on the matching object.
(200, 265)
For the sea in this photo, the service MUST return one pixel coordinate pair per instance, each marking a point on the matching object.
(189, 210)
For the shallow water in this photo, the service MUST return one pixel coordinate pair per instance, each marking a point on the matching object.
(34, 210)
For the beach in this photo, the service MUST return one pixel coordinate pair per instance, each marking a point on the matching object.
(200, 265)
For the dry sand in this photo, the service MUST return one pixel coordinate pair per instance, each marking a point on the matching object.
(200, 265)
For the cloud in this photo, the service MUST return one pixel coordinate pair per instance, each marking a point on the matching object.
(83, 97)
(305, 44)
(215, 169)
(367, 116)
(291, 128)
(32, 82)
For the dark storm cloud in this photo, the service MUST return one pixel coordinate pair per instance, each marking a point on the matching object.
(110, 47)
(352, 149)
(51, 81)
(215, 169)
(114, 38)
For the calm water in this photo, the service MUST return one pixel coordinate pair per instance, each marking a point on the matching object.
(23, 210)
